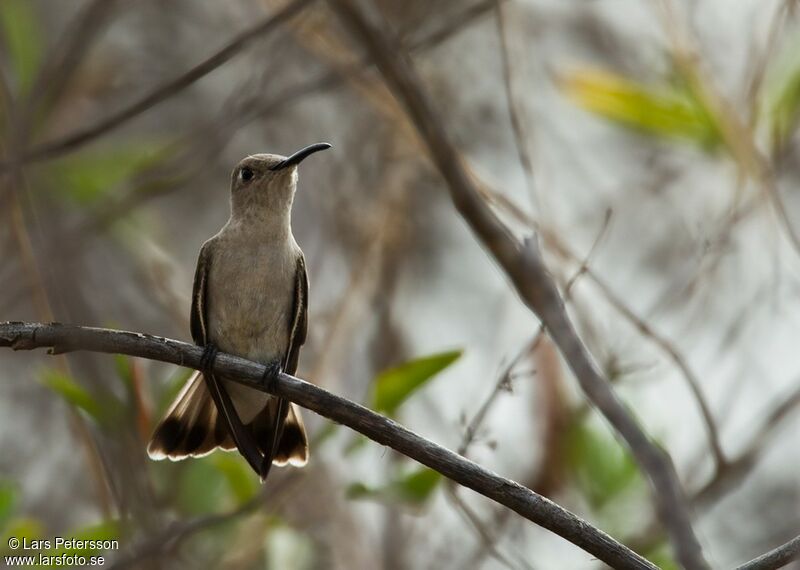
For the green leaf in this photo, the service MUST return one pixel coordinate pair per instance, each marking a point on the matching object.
(781, 106)
(668, 112)
(72, 393)
(22, 39)
(394, 386)
(122, 365)
(241, 481)
(84, 178)
(102, 531)
(203, 488)
(413, 488)
(661, 557)
(23, 528)
(418, 486)
(8, 502)
(603, 468)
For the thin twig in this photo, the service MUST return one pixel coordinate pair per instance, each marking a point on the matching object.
(162, 92)
(502, 384)
(524, 267)
(488, 536)
(67, 54)
(511, 102)
(732, 474)
(738, 137)
(540, 510)
(692, 381)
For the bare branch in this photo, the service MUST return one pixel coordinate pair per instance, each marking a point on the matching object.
(524, 267)
(517, 127)
(540, 510)
(163, 92)
(776, 558)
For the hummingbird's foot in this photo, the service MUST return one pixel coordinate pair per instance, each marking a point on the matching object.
(209, 356)
(274, 368)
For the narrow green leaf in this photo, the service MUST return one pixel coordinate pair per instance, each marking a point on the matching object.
(22, 39)
(203, 488)
(241, 481)
(72, 393)
(84, 178)
(102, 531)
(413, 488)
(781, 100)
(394, 386)
(8, 502)
(603, 468)
(661, 557)
(666, 111)
(22, 528)
(359, 490)
(122, 365)
(418, 486)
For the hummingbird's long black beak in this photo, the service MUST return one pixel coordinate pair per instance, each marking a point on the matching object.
(300, 155)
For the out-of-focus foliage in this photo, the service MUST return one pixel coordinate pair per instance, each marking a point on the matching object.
(8, 502)
(413, 488)
(241, 482)
(22, 528)
(667, 111)
(72, 393)
(391, 389)
(91, 175)
(106, 530)
(394, 386)
(662, 558)
(602, 467)
(203, 488)
(22, 34)
(782, 97)
(109, 231)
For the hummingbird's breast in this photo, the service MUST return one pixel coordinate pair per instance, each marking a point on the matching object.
(251, 293)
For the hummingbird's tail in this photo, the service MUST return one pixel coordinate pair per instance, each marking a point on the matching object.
(293, 445)
(193, 428)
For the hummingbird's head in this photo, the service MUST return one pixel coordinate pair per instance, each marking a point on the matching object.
(263, 185)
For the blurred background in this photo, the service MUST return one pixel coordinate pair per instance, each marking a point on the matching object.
(653, 146)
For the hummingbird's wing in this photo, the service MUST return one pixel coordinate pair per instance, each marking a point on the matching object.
(203, 416)
(280, 426)
(293, 447)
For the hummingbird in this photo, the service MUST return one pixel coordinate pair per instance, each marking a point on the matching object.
(249, 299)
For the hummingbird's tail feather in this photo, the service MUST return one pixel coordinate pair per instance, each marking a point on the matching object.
(293, 447)
(192, 427)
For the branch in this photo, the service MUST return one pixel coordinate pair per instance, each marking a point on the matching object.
(161, 93)
(523, 265)
(540, 510)
(776, 558)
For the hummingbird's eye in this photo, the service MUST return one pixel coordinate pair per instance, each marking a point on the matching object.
(246, 174)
